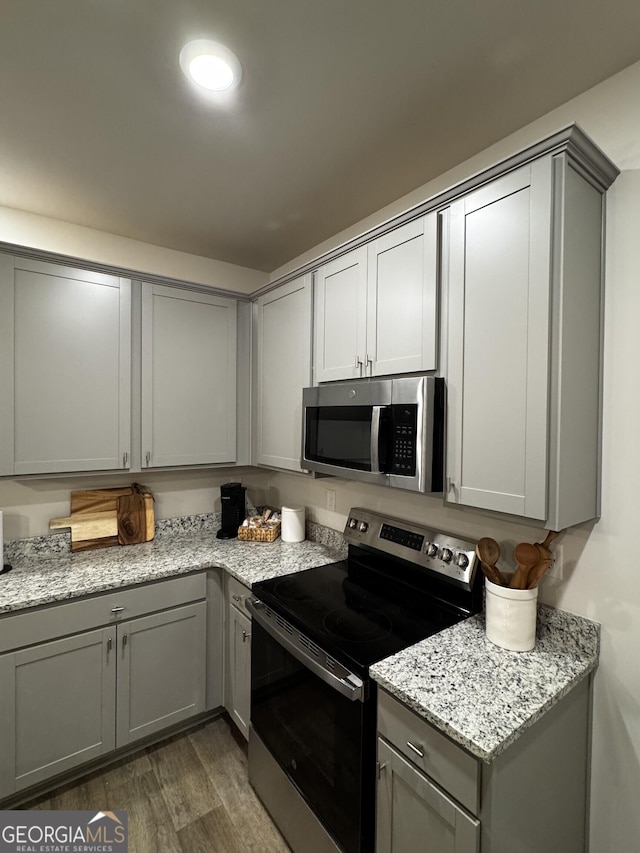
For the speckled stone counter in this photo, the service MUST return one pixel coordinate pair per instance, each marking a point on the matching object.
(42, 577)
(484, 697)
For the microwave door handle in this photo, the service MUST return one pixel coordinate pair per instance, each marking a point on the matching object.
(375, 438)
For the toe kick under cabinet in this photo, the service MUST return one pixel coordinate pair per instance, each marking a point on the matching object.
(84, 678)
(434, 795)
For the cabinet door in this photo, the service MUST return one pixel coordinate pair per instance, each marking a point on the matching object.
(161, 671)
(410, 807)
(188, 377)
(341, 318)
(65, 376)
(283, 370)
(239, 669)
(498, 344)
(57, 707)
(402, 271)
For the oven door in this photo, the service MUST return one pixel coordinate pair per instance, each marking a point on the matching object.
(317, 725)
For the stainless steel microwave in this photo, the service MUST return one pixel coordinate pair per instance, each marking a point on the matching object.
(384, 431)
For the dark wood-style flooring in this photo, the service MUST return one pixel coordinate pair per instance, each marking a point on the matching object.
(189, 794)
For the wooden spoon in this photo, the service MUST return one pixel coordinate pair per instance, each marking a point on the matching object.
(489, 552)
(551, 535)
(527, 556)
(539, 571)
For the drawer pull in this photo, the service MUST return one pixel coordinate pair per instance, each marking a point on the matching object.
(417, 749)
(117, 609)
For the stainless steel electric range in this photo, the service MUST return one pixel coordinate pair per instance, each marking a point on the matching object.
(315, 634)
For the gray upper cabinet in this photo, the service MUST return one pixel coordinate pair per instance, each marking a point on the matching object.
(524, 343)
(340, 320)
(283, 370)
(376, 306)
(65, 368)
(188, 377)
(402, 297)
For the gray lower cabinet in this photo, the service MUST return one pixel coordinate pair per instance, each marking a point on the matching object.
(161, 672)
(411, 807)
(434, 795)
(57, 707)
(68, 700)
(238, 656)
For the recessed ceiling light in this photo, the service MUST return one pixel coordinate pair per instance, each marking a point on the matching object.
(211, 65)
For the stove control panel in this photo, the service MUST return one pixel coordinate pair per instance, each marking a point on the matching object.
(449, 555)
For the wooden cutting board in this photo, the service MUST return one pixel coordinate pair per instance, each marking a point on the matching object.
(94, 518)
(89, 529)
(136, 518)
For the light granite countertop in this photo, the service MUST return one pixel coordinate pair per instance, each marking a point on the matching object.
(481, 696)
(45, 578)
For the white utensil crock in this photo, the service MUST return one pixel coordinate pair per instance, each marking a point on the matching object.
(292, 524)
(511, 616)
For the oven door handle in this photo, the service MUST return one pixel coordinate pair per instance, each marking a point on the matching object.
(353, 691)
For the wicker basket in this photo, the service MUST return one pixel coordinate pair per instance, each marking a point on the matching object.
(260, 534)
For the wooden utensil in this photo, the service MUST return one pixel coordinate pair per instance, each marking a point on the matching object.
(488, 551)
(551, 535)
(539, 571)
(527, 557)
(135, 516)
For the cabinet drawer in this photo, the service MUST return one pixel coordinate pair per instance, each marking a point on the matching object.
(47, 623)
(444, 762)
(238, 594)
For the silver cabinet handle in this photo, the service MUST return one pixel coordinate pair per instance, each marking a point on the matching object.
(117, 609)
(381, 767)
(358, 362)
(124, 640)
(369, 361)
(245, 636)
(109, 645)
(125, 459)
(417, 749)
(237, 597)
(148, 457)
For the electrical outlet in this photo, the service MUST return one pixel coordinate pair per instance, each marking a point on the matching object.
(331, 500)
(558, 562)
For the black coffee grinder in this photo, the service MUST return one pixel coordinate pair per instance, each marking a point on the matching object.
(232, 496)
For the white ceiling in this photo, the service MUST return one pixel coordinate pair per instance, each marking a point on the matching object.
(345, 105)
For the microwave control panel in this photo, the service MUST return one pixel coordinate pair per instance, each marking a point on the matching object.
(404, 431)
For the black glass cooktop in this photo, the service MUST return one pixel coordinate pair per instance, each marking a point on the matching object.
(353, 615)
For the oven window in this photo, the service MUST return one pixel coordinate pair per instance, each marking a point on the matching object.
(339, 435)
(313, 732)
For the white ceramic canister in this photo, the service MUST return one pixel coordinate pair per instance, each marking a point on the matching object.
(292, 524)
(511, 616)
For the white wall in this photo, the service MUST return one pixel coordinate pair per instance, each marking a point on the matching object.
(20, 228)
(601, 567)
